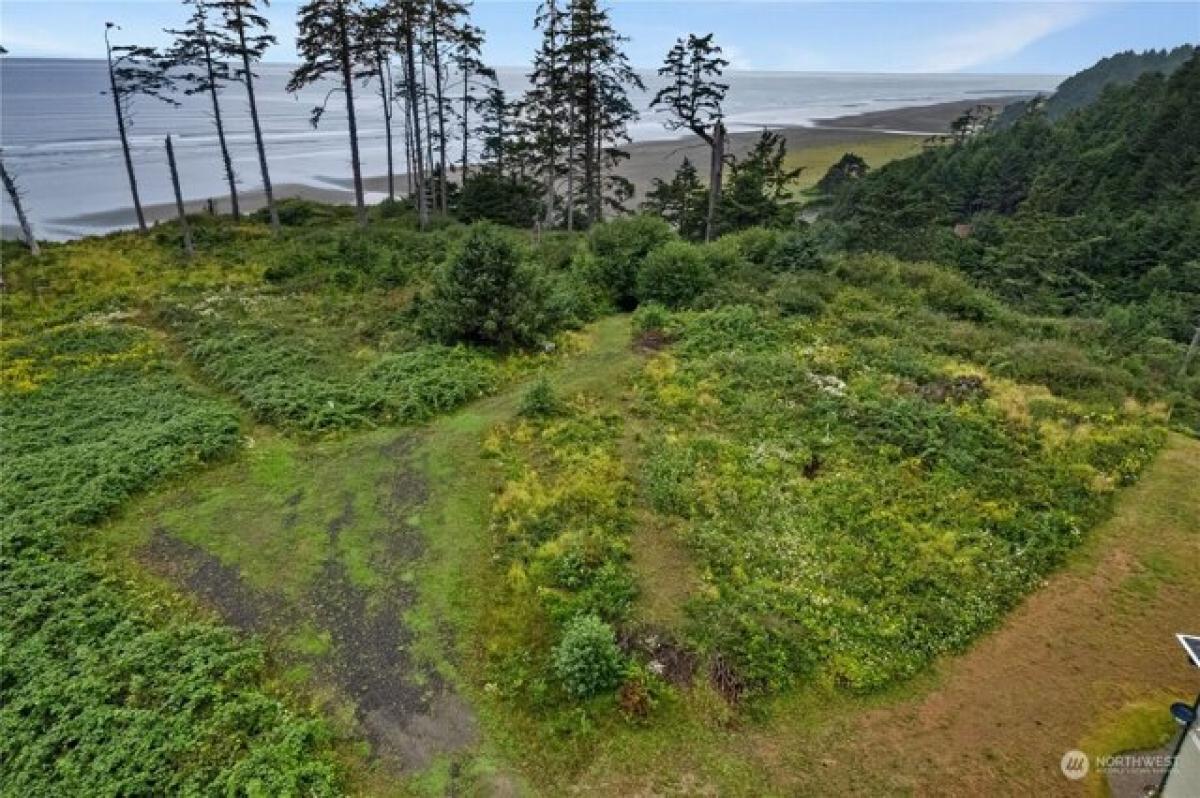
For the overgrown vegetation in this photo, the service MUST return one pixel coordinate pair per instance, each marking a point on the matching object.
(102, 686)
(856, 462)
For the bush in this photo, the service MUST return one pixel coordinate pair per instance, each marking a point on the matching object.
(796, 252)
(540, 400)
(618, 248)
(674, 274)
(797, 296)
(587, 658)
(651, 317)
(485, 294)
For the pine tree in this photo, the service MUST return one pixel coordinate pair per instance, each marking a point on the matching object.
(249, 41)
(133, 71)
(379, 36)
(544, 108)
(408, 34)
(199, 51)
(446, 31)
(598, 78)
(680, 202)
(330, 44)
(692, 100)
(473, 75)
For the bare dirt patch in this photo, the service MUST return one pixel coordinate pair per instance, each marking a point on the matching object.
(403, 708)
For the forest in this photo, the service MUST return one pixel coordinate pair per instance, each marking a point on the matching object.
(516, 481)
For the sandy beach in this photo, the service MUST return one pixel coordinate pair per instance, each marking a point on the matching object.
(648, 160)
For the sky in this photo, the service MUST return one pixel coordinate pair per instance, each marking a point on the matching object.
(1007, 36)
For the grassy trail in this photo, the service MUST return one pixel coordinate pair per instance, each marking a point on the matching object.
(366, 561)
(1089, 661)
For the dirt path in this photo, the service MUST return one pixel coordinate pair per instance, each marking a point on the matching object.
(353, 638)
(1097, 637)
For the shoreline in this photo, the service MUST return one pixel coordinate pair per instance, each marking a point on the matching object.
(649, 160)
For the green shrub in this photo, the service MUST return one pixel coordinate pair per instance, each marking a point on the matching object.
(486, 294)
(674, 274)
(416, 385)
(618, 249)
(587, 659)
(803, 294)
(651, 317)
(796, 252)
(540, 400)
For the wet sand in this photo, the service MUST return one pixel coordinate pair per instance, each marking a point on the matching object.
(648, 160)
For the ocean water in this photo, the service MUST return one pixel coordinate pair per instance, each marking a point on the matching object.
(59, 135)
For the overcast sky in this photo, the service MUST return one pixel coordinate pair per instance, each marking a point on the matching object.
(898, 36)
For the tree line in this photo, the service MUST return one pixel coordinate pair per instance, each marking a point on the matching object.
(547, 158)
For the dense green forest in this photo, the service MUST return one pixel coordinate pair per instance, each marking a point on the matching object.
(689, 477)
(1085, 87)
(1095, 215)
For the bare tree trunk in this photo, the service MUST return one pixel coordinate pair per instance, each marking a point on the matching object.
(348, 88)
(589, 141)
(570, 198)
(428, 133)
(188, 248)
(466, 100)
(133, 186)
(552, 174)
(414, 118)
(440, 104)
(715, 176)
(10, 186)
(385, 81)
(216, 104)
(1191, 352)
(258, 136)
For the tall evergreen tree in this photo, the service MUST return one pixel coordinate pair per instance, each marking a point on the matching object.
(472, 75)
(692, 101)
(330, 44)
(598, 79)
(408, 34)
(249, 41)
(446, 29)
(133, 71)
(544, 108)
(379, 36)
(680, 202)
(197, 63)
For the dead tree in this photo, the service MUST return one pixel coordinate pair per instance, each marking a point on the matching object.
(14, 194)
(188, 248)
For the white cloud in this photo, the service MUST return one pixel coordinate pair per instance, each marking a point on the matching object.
(1019, 27)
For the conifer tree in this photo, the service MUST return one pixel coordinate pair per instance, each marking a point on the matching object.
(544, 108)
(133, 71)
(197, 63)
(379, 36)
(599, 76)
(680, 202)
(330, 44)
(248, 41)
(692, 101)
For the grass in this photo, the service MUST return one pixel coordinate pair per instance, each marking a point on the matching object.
(876, 151)
(380, 561)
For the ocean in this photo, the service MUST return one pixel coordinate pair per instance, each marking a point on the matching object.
(59, 137)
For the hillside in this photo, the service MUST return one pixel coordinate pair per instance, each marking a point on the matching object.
(1095, 215)
(1085, 87)
(465, 508)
